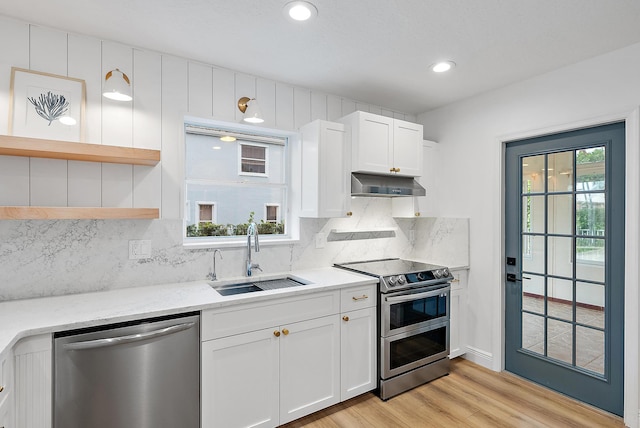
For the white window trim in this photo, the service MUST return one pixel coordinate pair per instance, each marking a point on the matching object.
(266, 160)
(214, 211)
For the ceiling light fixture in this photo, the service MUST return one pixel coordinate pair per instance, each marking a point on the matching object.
(300, 10)
(251, 110)
(442, 66)
(117, 86)
(228, 138)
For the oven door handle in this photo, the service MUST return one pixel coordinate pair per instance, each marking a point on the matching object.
(416, 296)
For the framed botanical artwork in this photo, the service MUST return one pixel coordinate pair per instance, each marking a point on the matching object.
(44, 105)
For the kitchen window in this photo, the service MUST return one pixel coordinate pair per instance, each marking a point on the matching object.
(249, 180)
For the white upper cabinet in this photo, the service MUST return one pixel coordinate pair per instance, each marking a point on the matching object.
(422, 206)
(383, 145)
(325, 172)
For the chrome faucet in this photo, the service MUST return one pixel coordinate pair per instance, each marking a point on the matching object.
(252, 230)
(212, 275)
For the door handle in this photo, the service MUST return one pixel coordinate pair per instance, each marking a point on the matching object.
(511, 277)
(112, 341)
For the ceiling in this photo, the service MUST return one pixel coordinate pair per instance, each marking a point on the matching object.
(373, 51)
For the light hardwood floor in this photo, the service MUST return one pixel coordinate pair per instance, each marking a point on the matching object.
(470, 396)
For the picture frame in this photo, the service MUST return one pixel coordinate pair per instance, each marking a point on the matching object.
(47, 106)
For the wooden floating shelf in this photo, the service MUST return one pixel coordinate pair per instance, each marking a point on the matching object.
(53, 149)
(72, 213)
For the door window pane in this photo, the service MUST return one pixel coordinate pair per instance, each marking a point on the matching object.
(533, 333)
(590, 304)
(533, 294)
(559, 254)
(560, 172)
(533, 253)
(560, 299)
(533, 214)
(560, 341)
(591, 263)
(590, 349)
(533, 177)
(590, 169)
(560, 214)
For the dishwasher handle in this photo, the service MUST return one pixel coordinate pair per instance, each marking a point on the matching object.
(113, 341)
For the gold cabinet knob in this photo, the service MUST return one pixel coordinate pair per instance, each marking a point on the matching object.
(1, 388)
(397, 169)
(349, 213)
(417, 214)
(285, 331)
(276, 333)
(392, 170)
(346, 318)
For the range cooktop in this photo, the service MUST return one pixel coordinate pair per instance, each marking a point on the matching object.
(398, 274)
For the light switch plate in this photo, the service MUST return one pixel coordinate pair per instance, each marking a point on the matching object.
(139, 249)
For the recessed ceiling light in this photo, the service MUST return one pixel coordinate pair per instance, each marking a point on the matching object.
(300, 10)
(442, 66)
(228, 138)
(216, 147)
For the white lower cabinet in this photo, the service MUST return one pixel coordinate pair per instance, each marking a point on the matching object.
(32, 404)
(358, 352)
(269, 377)
(265, 364)
(458, 315)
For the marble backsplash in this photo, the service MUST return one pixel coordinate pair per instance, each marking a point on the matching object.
(55, 257)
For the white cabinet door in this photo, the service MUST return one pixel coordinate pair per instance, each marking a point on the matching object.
(383, 145)
(309, 367)
(358, 353)
(372, 143)
(326, 170)
(422, 206)
(32, 392)
(458, 315)
(407, 148)
(240, 380)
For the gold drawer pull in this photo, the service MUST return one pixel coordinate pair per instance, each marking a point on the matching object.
(285, 331)
(455, 280)
(346, 318)
(349, 213)
(364, 296)
(276, 333)
(1, 388)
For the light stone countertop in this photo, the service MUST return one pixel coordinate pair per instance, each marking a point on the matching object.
(23, 318)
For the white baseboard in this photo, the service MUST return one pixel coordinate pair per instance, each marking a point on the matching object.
(479, 356)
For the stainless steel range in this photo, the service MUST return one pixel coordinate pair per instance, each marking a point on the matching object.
(413, 321)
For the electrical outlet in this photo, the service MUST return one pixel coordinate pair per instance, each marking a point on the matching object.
(139, 249)
(321, 240)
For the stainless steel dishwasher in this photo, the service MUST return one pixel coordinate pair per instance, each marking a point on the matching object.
(144, 374)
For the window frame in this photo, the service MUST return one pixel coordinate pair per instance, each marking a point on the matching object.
(290, 212)
(266, 159)
(278, 212)
(214, 212)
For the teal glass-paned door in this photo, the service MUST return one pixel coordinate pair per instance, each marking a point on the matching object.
(564, 241)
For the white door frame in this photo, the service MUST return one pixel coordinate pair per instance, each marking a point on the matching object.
(632, 250)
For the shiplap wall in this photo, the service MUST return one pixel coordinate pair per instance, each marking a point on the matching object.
(165, 89)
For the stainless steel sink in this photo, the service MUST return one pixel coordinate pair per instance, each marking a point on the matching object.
(252, 286)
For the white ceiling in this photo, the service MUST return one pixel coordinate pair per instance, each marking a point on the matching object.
(374, 51)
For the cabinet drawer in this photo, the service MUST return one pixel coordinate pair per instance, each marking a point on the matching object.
(354, 298)
(216, 323)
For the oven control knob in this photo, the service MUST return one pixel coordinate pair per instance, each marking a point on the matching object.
(401, 279)
(392, 281)
(438, 273)
(421, 276)
(445, 272)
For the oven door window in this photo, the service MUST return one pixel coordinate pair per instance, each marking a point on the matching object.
(414, 312)
(407, 351)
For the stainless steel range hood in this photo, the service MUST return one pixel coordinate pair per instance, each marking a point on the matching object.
(384, 185)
